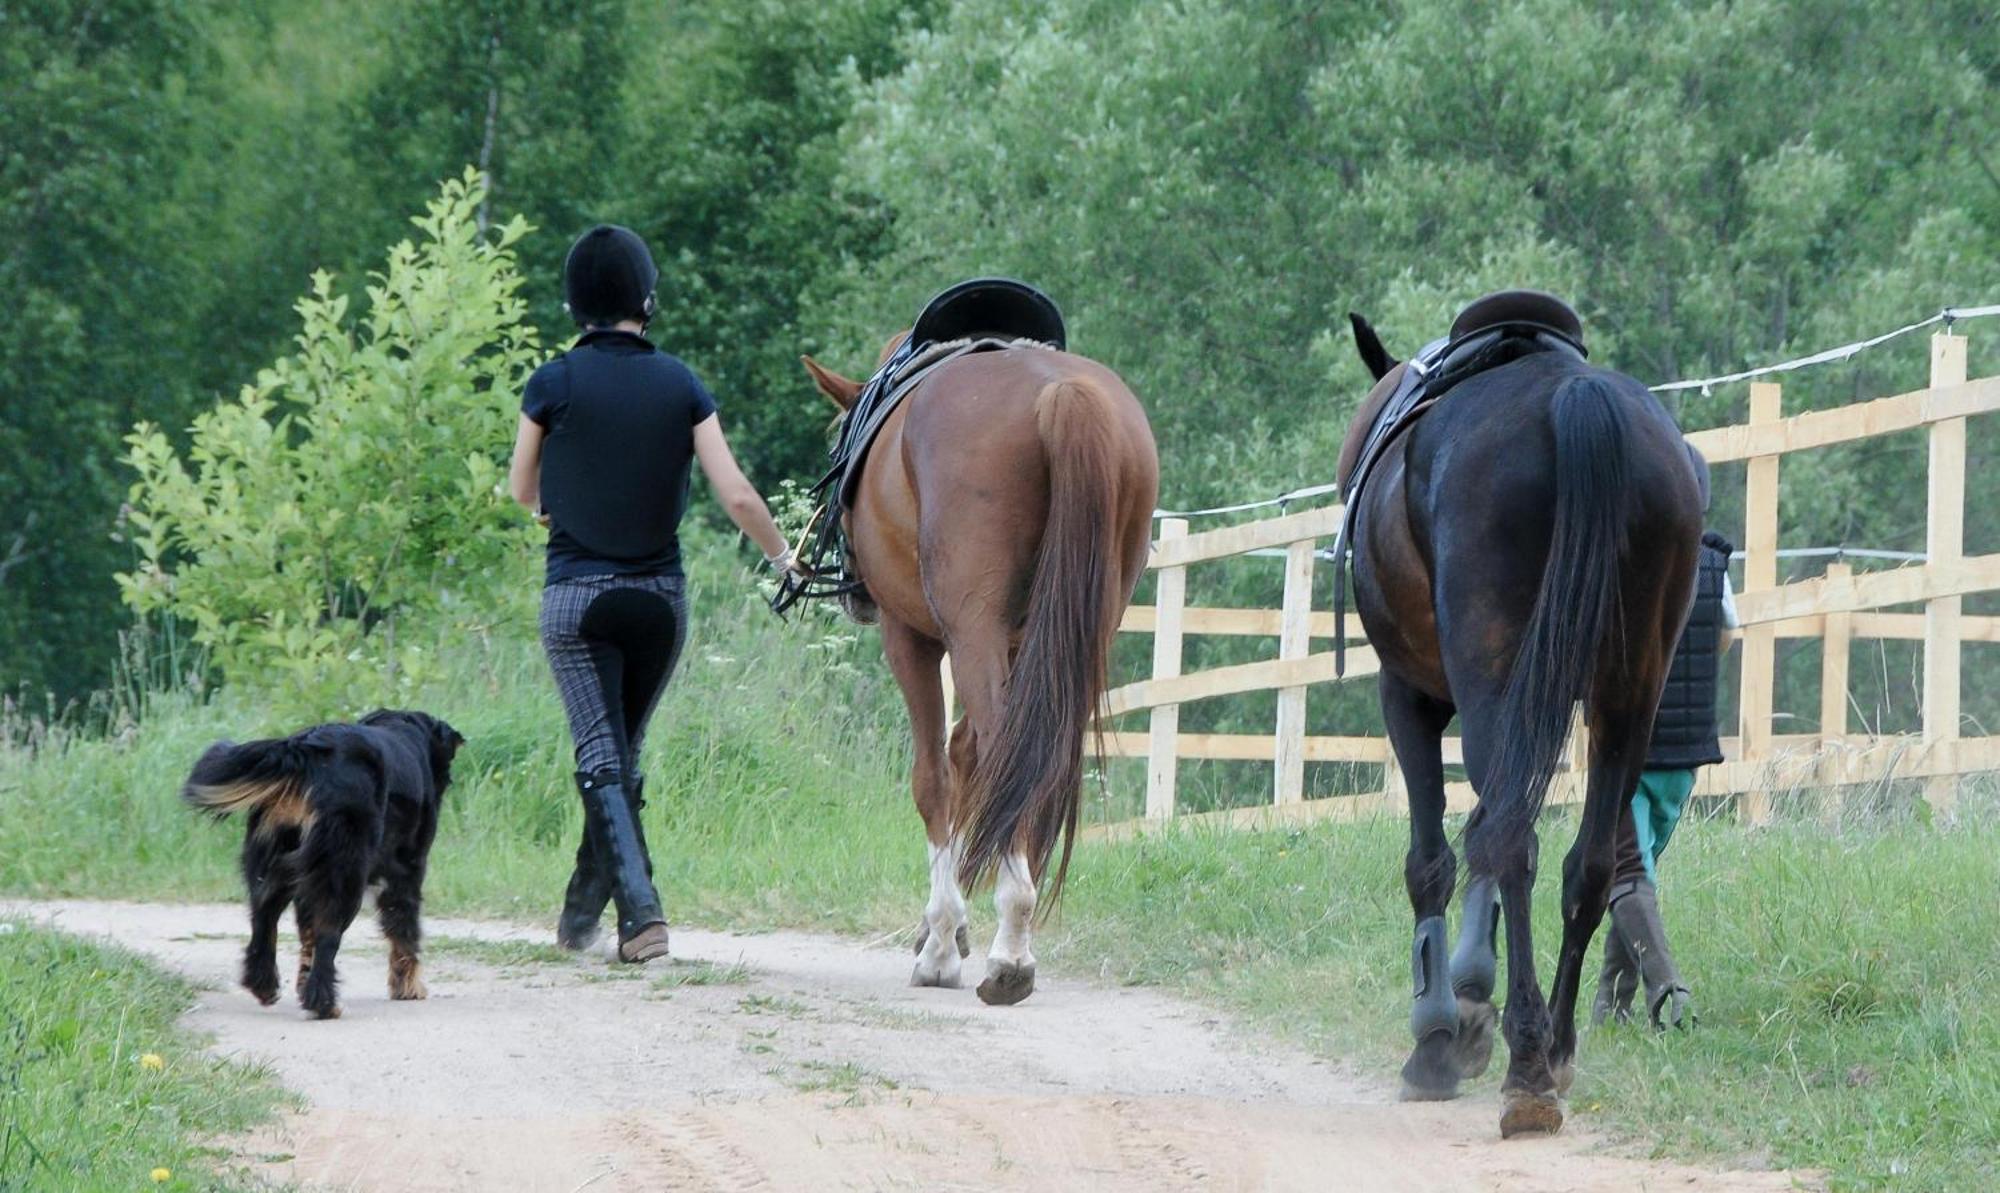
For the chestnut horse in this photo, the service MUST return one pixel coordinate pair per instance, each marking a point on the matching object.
(1003, 518)
(1528, 543)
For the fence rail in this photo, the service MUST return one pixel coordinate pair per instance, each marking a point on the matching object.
(1839, 608)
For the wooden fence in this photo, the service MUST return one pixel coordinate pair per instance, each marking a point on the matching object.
(1838, 608)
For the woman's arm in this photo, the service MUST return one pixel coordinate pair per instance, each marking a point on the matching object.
(524, 475)
(738, 496)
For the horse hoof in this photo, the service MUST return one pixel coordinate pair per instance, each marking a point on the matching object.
(1006, 984)
(332, 1012)
(1530, 1114)
(940, 979)
(1430, 1075)
(1412, 1092)
(1473, 1049)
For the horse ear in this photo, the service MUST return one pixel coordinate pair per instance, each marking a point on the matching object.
(1366, 342)
(841, 391)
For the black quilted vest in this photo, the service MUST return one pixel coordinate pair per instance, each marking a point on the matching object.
(1684, 732)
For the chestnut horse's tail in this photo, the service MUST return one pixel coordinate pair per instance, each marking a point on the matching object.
(1028, 781)
(1576, 612)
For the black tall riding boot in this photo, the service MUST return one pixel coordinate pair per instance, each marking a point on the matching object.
(1637, 917)
(1617, 981)
(590, 883)
(608, 807)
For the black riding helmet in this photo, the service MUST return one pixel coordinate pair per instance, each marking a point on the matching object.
(608, 276)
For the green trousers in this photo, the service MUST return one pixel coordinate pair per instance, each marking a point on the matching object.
(1656, 810)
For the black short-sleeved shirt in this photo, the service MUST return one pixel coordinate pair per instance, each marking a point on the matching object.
(620, 417)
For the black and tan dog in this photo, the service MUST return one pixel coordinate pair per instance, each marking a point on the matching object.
(332, 810)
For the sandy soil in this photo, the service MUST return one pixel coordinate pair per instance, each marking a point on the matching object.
(803, 1062)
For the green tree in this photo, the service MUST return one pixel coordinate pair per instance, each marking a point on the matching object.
(355, 486)
(95, 118)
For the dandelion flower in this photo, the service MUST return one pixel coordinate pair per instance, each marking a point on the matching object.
(162, 1175)
(154, 1062)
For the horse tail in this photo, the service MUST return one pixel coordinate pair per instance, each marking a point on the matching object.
(1576, 614)
(1027, 782)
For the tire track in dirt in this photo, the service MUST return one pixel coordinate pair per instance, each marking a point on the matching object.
(801, 1062)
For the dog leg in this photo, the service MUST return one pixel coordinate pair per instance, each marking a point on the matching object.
(397, 908)
(305, 953)
(332, 877)
(269, 893)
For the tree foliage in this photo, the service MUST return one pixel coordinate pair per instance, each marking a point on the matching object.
(355, 483)
(1206, 187)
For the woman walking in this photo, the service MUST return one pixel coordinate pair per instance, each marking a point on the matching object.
(608, 435)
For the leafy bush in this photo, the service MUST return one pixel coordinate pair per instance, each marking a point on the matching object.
(356, 484)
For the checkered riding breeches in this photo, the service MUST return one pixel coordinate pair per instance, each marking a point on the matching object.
(613, 643)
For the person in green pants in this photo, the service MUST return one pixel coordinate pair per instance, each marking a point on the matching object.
(1684, 739)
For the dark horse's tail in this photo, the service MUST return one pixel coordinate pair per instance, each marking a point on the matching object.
(1576, 611)
(1027, 783)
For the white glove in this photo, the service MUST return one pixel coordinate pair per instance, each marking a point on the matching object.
(787, 562)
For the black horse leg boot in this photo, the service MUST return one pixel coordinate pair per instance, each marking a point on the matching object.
(590, 883)
(1637, 917)
(607, 803)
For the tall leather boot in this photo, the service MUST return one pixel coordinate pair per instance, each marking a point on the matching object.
(608, 807)
(1637, 916)
(589, 889)
(1617, 981)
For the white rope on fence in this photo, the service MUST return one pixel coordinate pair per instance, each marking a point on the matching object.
(1947, 316)
(1327, 554)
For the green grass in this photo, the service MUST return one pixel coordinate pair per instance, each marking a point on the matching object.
(1848, 982)
(702, 973)
(99, 1086)
(844, 1077)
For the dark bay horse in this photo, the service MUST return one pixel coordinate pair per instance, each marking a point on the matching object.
(1004, 516)
(1527, 544)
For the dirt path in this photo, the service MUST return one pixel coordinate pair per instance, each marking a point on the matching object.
(801, 1062)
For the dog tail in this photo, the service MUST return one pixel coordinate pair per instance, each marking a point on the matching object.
(270, 777)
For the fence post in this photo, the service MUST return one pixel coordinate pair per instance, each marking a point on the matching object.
(950, 686)
(1836, 635)
(1760, 571)
(1944, 544)
(1163, 746)
(1294, 642)
(1577, 755)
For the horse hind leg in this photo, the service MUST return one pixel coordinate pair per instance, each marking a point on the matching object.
(1010, 965)
(941, 939)
(1416, 724)
(1531, 1101)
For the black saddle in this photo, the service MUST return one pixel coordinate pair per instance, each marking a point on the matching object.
(1001, 308)
(1491, 331)
(979, 315)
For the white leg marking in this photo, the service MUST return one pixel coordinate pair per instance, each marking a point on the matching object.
(1014, 901)
(938, 964)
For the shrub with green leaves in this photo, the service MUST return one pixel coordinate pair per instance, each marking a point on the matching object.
(356, 486)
